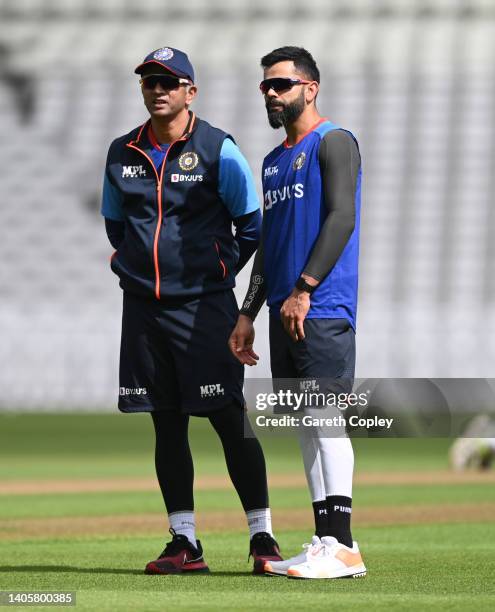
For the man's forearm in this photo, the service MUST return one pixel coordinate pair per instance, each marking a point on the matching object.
(256, 294)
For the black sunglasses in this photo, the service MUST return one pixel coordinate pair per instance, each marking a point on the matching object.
(150, 81)
(279, 84)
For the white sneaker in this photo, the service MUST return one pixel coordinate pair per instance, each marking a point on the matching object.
(279, 568)
(330, 560)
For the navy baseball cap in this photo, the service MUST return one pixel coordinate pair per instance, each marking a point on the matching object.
(173, 60)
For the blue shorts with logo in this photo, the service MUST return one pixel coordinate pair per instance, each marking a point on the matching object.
(174, 355)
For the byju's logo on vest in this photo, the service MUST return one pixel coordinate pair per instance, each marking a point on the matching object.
(133, 171)
(272, 196)
(133, 391)
(188, 178)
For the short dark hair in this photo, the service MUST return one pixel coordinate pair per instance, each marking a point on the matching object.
(303, 61)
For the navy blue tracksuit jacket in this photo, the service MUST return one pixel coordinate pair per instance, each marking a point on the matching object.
(178, 233)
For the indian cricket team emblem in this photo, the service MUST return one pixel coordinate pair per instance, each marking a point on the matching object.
(299, 161)
(188, 161)
(163, 54)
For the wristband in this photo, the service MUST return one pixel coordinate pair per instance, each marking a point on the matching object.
(302, 285)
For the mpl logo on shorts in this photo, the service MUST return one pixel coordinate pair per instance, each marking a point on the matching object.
(309, 385)
(133, 171)
(133, 391)
(211, 390)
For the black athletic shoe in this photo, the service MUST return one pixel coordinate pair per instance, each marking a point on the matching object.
(263, 548)
(179, 557)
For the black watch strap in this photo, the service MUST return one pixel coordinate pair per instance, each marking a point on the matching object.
(302, 285)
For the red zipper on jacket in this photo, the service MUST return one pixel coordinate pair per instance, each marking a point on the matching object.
(224, 267)
(159, 182)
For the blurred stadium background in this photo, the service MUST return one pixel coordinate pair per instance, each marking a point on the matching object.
(80, 508)
(414, 80)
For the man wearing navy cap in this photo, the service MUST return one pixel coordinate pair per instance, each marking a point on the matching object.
(173, 188)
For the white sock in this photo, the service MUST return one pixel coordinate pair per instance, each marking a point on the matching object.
(183, 522)
(259, 520)
(312, 463)
(337, 462)
(334, 455)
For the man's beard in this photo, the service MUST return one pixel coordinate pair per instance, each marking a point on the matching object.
(290, 112)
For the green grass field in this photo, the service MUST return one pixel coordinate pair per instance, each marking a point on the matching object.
(427, 545)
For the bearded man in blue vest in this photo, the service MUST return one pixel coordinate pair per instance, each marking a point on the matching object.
(306, 268)
(173, 188)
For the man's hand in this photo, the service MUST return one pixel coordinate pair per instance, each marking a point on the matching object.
(241, 341)
(293, 312)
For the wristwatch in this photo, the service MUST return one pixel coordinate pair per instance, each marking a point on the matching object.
(302, 285)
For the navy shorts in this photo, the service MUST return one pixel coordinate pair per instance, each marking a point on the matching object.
(174, 356)
(327, 353)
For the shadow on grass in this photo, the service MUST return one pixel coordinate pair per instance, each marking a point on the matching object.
(101, 570)
(68, 568)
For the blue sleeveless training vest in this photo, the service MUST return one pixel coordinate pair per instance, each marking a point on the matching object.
(294, 213)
